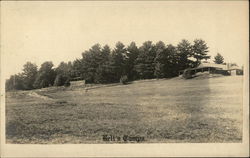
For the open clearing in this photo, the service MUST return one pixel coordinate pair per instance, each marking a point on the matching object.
(165, 111)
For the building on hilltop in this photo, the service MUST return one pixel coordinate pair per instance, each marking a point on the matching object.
(212, 68)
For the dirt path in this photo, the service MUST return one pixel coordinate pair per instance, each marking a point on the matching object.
(34, 94)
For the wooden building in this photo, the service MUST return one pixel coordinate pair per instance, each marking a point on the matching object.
(224, 69)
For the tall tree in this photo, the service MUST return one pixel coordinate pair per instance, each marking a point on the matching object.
(200, 50)
(104, 72)
(45, 76)
(160, 59)
(63, 68)
(184, 49)
(118, 60)
(29, 75)
(77, 70)
(171, 67)
(132, 54)
(62, 73)
(15, 82)
(145, 61)
(91, 60)
(218, 59)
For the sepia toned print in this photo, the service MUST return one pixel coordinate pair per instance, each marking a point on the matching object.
(205, 108)
(124, 73)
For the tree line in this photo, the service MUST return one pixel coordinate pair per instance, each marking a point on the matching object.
(105, 65)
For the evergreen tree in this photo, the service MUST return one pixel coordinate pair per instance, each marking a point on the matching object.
(15, 82)
(77, 70)
(145, 62)
(218, 59)
(45, 76)
(160, 60)
(63, 72)
(60, 80)
(171, 63)
(132, 54)
(64, 69)
(29, 75)
(91, 60)
(99, 65)
(200, 51)
(118, 61)
(184, 49)
(104, 72)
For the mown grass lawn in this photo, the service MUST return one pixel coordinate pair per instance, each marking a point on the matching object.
(165, 111)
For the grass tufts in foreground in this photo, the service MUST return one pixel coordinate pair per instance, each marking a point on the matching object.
(165, 111)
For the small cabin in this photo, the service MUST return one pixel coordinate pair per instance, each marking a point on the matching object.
(77, 82)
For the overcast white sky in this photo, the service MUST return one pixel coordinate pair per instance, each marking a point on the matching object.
(61, 31)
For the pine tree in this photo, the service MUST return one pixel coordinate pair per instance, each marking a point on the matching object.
(45, 76)
(218, 59)
(15, 82)
(77, 69)
(29, 75)
(200, 51)
(104, 73)
(160, 60)
(91, 60)
(118, 61)
(132, 54)
(184, 49)
(171, 67)
(145, 61)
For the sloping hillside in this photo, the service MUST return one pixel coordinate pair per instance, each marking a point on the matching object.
(174, 110)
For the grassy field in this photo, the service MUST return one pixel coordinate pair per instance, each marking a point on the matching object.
(163, 111)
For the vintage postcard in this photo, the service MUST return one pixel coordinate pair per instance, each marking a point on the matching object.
(124, 78)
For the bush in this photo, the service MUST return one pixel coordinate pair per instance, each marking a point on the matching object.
(124, 79)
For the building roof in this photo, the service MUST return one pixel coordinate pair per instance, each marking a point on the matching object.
(218, 66)
(234, 68)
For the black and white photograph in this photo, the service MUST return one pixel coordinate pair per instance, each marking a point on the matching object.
(131, 73)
